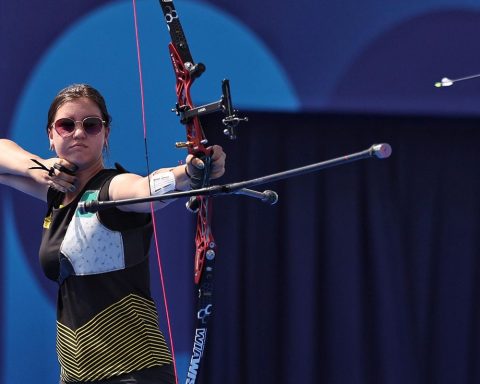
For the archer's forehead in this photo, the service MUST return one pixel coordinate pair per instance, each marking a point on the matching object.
(78, 109)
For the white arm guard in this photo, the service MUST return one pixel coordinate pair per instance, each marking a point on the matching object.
(161, 183)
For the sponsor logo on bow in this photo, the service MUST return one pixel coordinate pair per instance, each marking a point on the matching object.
(170, 15)
(198, 347)
(204, 312)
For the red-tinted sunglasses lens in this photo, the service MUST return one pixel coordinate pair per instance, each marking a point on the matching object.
(93, 125)
(64, 127)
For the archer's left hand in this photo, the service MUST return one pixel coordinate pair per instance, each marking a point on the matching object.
(196, 167)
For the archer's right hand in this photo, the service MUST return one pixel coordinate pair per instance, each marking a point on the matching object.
(56, 173)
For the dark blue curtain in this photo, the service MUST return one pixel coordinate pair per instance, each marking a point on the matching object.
(365, 273)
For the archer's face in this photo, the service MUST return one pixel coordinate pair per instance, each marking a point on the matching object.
(81, 148)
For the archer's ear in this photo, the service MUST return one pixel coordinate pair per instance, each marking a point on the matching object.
(107, 132)
(50, 139)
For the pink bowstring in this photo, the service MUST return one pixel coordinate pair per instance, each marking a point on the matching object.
(157, 248)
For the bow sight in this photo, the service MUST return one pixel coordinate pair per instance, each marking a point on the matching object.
(231, 119)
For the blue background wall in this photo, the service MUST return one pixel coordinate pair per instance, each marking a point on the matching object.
(370, 57)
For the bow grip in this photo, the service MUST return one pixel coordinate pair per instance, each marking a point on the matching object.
(201, 177)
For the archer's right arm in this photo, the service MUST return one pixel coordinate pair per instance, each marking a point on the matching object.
(16, 170)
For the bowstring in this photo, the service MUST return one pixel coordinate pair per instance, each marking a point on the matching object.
(157, 248)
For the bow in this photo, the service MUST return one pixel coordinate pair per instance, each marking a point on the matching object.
(186, 71)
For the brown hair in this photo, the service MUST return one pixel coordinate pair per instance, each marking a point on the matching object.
(77, 91)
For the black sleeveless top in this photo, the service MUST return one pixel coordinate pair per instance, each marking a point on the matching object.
(107, 323)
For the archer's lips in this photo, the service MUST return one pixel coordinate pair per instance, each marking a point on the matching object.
(78, 145)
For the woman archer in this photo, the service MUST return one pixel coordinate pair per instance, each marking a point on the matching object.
(107, 323)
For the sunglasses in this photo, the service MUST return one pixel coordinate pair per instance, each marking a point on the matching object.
(66, 126)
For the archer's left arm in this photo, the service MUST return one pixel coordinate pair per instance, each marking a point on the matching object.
(164, 180)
